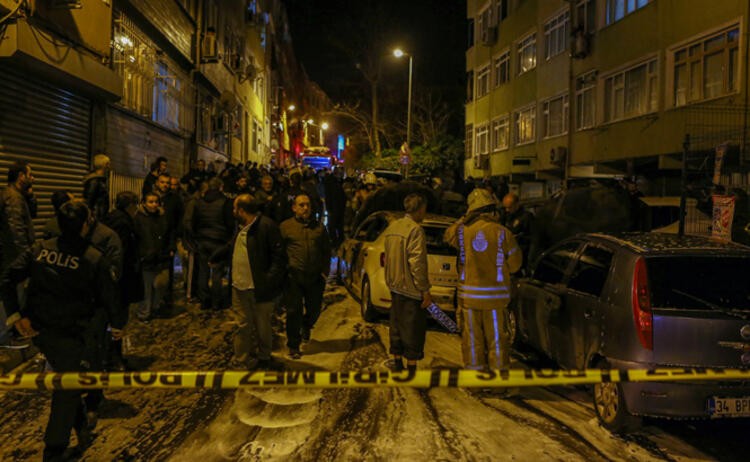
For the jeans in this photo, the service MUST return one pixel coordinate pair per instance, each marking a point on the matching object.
(303, 302)
(155, 283)
(210, 297)
(254, 336)
(408, 327)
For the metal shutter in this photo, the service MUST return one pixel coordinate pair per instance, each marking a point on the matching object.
(49, 127)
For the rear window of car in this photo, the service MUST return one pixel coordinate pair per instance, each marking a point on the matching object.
(699, 282)
(435, 243)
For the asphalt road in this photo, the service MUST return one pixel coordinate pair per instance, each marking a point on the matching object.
(345, 424)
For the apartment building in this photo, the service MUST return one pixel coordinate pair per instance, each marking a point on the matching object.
(581, 88)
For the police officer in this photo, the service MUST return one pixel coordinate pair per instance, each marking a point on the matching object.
(71, 288)
(488, 253)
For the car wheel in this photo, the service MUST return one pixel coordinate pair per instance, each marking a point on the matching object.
(611, 408)
(365, 303)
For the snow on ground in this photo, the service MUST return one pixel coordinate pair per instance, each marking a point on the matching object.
(342, 424)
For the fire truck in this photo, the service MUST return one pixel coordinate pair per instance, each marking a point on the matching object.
(318, 157)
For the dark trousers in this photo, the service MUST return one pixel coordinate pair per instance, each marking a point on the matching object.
(67, 354)
(304, 297)
(408, 327)
(210, 297)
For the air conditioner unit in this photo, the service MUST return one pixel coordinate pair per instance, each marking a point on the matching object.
(489, 35)
(209, 47)
(580, 44)
(557, 155)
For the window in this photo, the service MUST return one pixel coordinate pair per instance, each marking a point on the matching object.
(632, 92)
(591, 270)
(502, 69)
(525, 125)
(555, 116)
(556, 33)
(470, 33)
(470, 86)
(585, 100)
(155, 88)
(483, 81)
(586, 16)
(483, 142)
(484, 23)
(618, 9)
(500, 133)
(707, 68)
(469, 141)
(502, 9)
(527, 54)
(551, 268)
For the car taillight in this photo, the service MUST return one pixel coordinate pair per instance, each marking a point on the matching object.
(642, 315)
(382, 259)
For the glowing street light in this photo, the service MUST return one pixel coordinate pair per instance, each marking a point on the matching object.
(325, 126)
(399, 53)
(291, 108)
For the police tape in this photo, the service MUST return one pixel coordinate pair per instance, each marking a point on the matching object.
(461, 378)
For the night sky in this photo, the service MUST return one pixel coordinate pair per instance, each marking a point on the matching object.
(325, 34)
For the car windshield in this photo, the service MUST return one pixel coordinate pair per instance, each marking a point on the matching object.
(700, 282)
(435, 243)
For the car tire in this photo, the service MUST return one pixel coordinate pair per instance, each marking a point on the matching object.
(365, 303)
(611, 408)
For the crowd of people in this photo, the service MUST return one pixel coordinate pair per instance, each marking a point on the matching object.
(268, 231)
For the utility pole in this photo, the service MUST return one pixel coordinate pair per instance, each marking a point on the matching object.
(683, 195)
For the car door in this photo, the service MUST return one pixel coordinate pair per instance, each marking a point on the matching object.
(351, 251)
(366, 238)
(578, 325)
(540, 295)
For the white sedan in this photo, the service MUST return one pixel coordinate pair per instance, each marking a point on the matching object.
(361, 264)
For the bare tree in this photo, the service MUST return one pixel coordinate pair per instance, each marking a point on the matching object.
(431, 115)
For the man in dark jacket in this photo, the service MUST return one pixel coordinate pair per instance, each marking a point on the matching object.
(258, 264)
(195, 176)
(130, 286)
(16, 202)
(95, 189)
(308, 250)
(152, 234)
(335, 205)
(70, 288)
(210, 225)
(519, 221)
(159, 167)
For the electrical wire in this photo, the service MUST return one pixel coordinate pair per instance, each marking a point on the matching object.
(12, 13)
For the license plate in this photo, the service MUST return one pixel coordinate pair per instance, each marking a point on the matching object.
(729, 407)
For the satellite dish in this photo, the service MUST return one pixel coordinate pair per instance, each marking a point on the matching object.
(228, 101)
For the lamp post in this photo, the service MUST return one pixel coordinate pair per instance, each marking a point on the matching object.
(399, 53)
(323, 126)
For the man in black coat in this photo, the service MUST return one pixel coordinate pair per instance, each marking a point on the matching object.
(209, 223)
(71, 288)
(159, 167)
(258, 268)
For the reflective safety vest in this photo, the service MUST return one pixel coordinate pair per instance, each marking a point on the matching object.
(488, 253)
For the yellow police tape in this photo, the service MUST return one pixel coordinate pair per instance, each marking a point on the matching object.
(316, 379)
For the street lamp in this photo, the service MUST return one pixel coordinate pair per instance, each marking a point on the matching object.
(399, 53)
(323, 126)
(291, 108)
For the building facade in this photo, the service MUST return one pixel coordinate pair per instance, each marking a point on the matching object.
(584, 88)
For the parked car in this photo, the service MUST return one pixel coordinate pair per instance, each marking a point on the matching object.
(643, 300)
(361, 264)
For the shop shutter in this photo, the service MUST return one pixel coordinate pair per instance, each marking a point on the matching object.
(50, 128)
